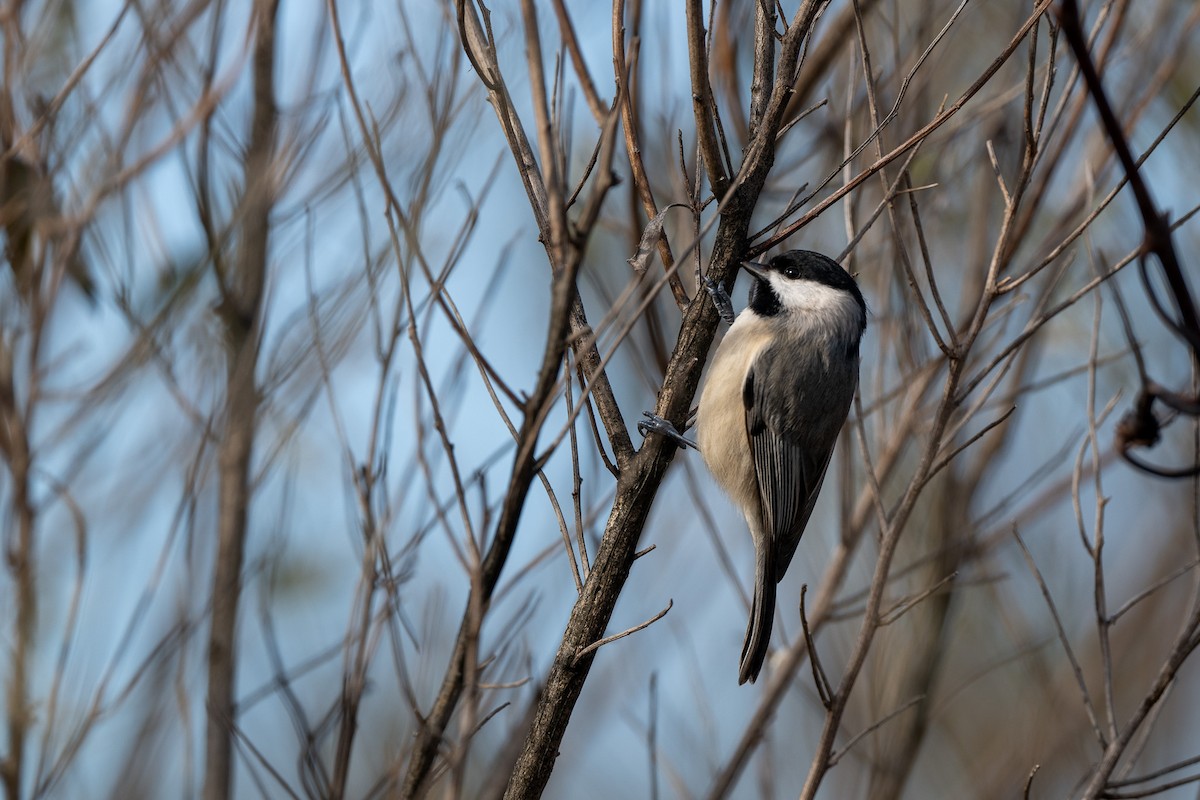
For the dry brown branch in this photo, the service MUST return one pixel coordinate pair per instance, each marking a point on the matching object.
(1140, 428)
(637, 168)
(241, 313)
(824, 690)
(641, 476)
(702, 99)
(1081, 684)
(596, 645)
(938, 121)
(567, 257)
(872, 728)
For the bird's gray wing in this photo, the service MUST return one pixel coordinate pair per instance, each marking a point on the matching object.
(792, 420)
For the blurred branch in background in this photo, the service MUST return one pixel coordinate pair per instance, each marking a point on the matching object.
(240, 284)
(322, 326)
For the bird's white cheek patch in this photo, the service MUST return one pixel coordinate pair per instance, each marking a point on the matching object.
(811, 296)
(819, 306)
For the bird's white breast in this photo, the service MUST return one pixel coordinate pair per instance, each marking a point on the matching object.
(721, 422)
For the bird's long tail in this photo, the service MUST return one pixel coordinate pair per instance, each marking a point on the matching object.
(762, 614)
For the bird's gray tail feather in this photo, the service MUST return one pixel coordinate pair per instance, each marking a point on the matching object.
(762, 614)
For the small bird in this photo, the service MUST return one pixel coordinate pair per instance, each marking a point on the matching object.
(777, 394)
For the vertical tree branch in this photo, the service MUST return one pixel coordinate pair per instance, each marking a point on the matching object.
(241, 312)
(18, 547)
(640, 479)
(633, 147)
(565, 244)
(14, 439)
(702, 99)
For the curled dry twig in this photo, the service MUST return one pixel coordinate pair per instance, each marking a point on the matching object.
(1141, 427)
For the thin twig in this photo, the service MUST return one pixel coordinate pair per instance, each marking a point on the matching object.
(1062, 638)
(904, 605)
(583, 651)
(837, 756)
(824, 691)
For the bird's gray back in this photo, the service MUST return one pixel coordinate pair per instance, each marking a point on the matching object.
(801, 397)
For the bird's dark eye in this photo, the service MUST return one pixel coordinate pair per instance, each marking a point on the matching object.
(791, 272)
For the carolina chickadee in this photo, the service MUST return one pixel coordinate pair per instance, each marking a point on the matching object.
(777, 394)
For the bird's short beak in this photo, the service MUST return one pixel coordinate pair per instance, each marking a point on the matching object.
(756, 269)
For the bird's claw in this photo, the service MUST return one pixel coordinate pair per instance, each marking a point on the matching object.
(720, 299)
(656, 424)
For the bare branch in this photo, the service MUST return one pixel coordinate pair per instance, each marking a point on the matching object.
(596, 645)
